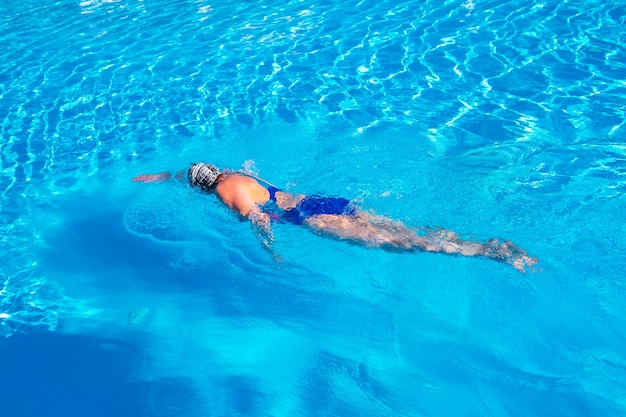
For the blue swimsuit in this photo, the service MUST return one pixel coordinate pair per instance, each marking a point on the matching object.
(314, 205)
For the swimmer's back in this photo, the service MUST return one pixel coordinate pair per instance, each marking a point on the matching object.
(241, 193)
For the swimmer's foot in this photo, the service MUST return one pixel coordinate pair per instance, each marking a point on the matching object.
(509, 253)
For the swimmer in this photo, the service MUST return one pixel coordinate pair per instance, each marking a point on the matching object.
(262, 202)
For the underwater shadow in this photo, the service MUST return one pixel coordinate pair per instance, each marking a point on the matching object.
(52, 374)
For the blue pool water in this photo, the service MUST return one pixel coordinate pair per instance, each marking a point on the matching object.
(490, 118)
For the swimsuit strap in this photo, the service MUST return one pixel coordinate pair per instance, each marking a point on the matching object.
(272, 190)
(251, 175)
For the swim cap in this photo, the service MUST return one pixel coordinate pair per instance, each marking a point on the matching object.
(203, 175)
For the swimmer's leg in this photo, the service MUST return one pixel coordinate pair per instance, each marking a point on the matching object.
(385, 233)
(446, 241)
(362, 230)
(509, 253)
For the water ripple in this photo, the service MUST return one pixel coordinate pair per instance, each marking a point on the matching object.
(103, 83)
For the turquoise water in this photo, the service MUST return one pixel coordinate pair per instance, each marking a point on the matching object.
(493, 119)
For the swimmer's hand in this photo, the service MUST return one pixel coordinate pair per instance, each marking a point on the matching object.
(146, 178)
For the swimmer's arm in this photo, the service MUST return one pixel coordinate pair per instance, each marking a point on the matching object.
(160, 177)
(262, 228)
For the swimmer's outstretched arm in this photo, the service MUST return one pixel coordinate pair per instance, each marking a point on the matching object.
(145, 178)
(160, 177)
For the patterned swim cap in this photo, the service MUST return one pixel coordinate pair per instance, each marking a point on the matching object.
(203, 175)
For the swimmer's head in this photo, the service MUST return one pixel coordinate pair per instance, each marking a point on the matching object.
(203, 175)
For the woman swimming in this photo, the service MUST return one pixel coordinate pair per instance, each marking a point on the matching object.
(246, 195)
